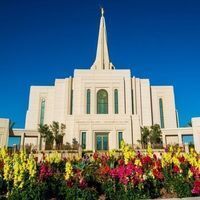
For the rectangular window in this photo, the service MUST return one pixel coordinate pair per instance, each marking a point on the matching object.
(42, 111)
(187, 139)
(132, 95)
(88, 102)
(120, 138)
(83, 140)
(71, 103)
(116, 101)
(102, 142)
(162, 123)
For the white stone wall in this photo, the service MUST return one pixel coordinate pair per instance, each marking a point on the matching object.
(196, 133)
(4, 132)
(58, 103)
(92, 124)
(37, 93)
(167, 94)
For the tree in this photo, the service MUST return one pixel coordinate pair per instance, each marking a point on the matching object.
(11, 125)
(47, 135)
(189, 124)
(155, 135)
(144, 136)
(52, 133)
(152, 135)
(58, 133)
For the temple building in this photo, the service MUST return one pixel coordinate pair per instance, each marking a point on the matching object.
(102, 105)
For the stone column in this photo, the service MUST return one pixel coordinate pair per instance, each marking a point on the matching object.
(180, 142)
(22, 141)
(196, 133)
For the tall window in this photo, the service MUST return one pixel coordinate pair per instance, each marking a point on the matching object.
(83, 142)
(71, 103)
(88, 102)
(120, 138)
(116, 101)
(132, 96)
(102, 102)
(162, 123)
(42, 111)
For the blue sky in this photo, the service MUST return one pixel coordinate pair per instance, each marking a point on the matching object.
(41, 40)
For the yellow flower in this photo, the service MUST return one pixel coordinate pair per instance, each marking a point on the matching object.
(190, 174)
(54, 157)
(68, 170)
(175, 160)
(112, 153)
(149, 151)
(166, 159)
(127, 152)
(3, 153)
(31, 166)
(138, 162)
(7, 170)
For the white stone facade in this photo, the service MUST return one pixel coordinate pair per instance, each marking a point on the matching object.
(136, 104)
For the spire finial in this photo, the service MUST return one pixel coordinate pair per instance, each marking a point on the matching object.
(102, 11)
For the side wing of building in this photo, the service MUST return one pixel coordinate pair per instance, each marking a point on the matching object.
(48, 103)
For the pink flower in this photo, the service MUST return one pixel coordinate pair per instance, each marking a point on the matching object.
(45, 171)
(196, 188)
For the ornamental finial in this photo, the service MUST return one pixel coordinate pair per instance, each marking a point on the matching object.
(102, 11)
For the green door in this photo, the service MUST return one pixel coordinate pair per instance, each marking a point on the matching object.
(102, 141)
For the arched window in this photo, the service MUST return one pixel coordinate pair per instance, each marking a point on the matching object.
(88, 102)
(102, 102)
(162, 123)
(42, 110)
(116, 101)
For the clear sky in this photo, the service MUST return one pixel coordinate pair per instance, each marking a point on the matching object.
(41, 40)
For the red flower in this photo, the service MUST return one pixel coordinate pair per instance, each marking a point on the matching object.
(69, 183)
(158, 175)
(45, 171)
(121, 162)
(146, 160)
(82, 183)
(196, 188)
(95, 155)
(1, 165)
(195, 171)
(104, 170)
(176, 169)
(181, 159)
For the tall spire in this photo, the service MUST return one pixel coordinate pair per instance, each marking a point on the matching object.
(102, 60)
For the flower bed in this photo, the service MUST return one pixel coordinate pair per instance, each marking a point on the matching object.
(128, 175)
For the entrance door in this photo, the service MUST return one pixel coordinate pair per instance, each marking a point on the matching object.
(102, 141)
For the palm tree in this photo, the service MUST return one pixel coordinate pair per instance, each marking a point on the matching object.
(47, 135)
(155, 135)
(189, 124)
(51, 133)
(152, 135)
(145, 133)
(58, 131)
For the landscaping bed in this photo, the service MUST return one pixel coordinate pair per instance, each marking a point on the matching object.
(128, 175)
